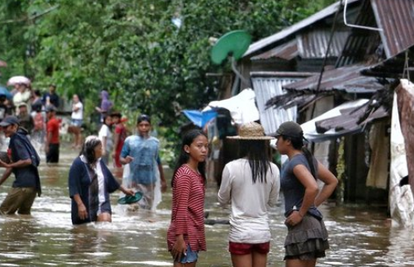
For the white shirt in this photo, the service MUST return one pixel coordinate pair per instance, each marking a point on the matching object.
(78, 115)
(249, 201)
(106, 132)
(101, 181)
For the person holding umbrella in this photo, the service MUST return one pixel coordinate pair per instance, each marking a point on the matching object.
(22, 96)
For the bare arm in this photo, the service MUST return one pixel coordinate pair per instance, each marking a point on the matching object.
(126, 191)
(126, 160)
(311, 191)
(5, 175)
(104, 145)
(82, 213)
(116, 141)
(330, 183)
(48, 139)
(162, 177)
(311, 187)
(18, 164)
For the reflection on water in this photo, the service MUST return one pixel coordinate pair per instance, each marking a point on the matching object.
(359, 236)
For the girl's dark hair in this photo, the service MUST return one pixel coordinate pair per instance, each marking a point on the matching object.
(143, 117)
(184, 157)
(297, 143)
(88, 148)
(104, 119)
(80, 98)
(257, 153)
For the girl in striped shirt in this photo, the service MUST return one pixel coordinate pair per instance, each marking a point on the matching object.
(185, 236)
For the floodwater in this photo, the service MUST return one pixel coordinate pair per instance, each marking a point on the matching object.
(359, 236)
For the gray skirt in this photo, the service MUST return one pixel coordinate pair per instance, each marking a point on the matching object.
(307, 240)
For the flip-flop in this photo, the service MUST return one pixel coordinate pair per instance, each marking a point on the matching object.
(131, 199)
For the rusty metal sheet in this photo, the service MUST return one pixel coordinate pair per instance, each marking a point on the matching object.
(286, 51)
(394, 67)
(279, 36)
(310, 44)
(396, 19)
(348, 79)
(313, 43)
(405, 98)
(361, 42)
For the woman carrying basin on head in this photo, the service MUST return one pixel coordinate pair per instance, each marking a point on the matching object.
(90, 183)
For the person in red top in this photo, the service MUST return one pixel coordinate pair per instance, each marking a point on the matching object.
(185, 236)
(52, 137)
(120, 134)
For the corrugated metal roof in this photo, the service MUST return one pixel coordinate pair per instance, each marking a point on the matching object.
(347, 118)
(266, 87)
(313, 44)
(285, 51)
(361, 42)
(328, 11)
(394, 67)
(348, 79)
(396, 19)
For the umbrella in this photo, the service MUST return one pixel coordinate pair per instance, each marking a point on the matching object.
(18, 79)
(4, 91)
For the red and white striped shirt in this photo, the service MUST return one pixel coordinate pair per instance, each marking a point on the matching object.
(187, 216)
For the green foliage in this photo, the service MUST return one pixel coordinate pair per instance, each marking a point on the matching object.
(132, 48)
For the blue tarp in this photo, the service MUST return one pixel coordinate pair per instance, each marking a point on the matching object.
(200, 118)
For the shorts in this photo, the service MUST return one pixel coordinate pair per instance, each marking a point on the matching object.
(307, 240)
(190, 256)
(18, 199)
(77, 122)
(244, 248)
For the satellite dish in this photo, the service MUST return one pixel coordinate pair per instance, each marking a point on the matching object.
(233, 44)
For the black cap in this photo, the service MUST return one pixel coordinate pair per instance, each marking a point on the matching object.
(290, 129)
(9, 121)
(143, 117)
(50, 108)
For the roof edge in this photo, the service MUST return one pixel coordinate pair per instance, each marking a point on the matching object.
(294, 28)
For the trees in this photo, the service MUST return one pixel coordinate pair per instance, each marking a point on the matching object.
(133, 48)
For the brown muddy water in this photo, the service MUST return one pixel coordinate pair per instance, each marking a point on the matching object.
(359, 236)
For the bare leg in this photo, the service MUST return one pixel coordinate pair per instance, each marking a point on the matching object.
(104, 217)
(300, 263)
(241, 260)
(77, 133)
(178, 264)
(259, 259)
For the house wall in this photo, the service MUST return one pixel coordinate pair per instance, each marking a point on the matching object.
(355, 187)
(273, 65)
